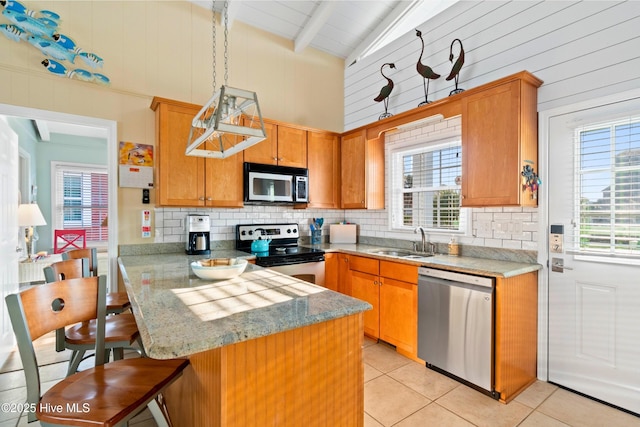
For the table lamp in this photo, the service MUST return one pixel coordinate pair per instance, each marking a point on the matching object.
(29, 216)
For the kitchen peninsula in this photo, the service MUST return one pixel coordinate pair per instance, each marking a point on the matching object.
(265, 348)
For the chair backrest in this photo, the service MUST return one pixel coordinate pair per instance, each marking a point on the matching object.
(64, 240)
(51, 306)
(67, 269)
(90, 253)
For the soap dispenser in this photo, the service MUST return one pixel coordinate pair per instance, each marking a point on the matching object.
(454, 247)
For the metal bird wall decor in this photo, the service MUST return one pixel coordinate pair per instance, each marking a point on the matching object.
(425, 71)
(455, 71)
(385, 92)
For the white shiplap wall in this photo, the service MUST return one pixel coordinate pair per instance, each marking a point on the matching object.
(580, 49)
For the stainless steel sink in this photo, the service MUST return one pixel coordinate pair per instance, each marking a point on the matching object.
(401, 254)
(393, 253)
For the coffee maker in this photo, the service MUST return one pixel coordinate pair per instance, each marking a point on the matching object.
(197, 228)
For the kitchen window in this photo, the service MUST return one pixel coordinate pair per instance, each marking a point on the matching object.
(81, 199)
(426, 186)
(607, 204)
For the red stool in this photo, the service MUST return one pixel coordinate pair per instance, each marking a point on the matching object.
(64, 240)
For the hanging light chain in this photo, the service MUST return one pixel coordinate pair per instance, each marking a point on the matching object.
(213, 32)
(226, 42)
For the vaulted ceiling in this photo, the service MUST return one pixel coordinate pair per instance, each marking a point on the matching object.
(348, 29)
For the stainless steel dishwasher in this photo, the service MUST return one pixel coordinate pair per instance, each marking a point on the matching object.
(455, 325)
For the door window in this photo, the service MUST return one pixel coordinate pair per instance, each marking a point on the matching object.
(608, 194)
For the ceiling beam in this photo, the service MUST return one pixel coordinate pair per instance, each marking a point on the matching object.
(43, 130)
(387, 25)
(232, 12)
(318, 18)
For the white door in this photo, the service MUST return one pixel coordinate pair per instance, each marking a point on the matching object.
(8, 230)
(594, 302)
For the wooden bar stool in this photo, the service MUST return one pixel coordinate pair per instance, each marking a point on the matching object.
(117, 302)
(121, 330)
(105, 395)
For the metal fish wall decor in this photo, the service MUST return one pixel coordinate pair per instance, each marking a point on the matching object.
(40, 29)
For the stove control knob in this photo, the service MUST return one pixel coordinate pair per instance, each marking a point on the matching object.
(288, 230)
(250, 232)
(243, 233)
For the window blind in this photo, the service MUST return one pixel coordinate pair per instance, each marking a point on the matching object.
(428, 189)
(81, 199)
(607, 195)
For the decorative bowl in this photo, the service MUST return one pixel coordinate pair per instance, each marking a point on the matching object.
(219, 268)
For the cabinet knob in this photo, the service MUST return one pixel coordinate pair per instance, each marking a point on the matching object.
(209, 199)
(201, 199)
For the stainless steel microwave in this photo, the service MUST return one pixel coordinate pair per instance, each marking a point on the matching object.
(275, 184)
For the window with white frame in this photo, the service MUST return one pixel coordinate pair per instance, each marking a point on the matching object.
(81, 199)
(608, 188)
(426, 186)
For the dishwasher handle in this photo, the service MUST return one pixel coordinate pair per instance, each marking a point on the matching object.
(425, 272)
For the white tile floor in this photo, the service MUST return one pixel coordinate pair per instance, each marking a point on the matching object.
(398, 392)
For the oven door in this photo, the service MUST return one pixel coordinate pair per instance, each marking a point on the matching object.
(312, 272)
(269, 187)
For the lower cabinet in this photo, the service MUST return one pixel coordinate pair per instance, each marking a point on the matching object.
(336, 275)
(391, 289)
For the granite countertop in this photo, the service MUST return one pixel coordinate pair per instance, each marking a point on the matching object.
(179, 314)
(461, 264)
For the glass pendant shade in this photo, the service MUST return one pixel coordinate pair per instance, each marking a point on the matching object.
(227, 124)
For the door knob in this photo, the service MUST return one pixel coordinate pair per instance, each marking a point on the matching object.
(557, 264)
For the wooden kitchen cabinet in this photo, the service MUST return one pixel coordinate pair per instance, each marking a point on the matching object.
(186, 180)
(499, 138)
(323, 155)
(516, 334)
(362, 171)
(391, 288)
(336, 276)
(399, 307)
(285, 145)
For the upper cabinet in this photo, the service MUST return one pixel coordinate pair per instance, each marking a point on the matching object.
(186, 180)
(323, 154)
(362, 171)
(500, 139)
(285, 146)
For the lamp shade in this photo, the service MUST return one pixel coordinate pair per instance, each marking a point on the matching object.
(29, 215)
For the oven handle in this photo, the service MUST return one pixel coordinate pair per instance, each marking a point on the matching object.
(292, 262)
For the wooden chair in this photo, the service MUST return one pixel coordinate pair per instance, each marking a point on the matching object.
(117, 302)
(64, 240)
(87, 398)
(121, 330)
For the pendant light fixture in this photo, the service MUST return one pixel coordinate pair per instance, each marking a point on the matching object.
(230, 121)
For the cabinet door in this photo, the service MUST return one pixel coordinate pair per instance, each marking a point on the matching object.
(180, 177)
(224, 178)
(362, 177)
(292, 147)
(399, 315)
(331, 271)
(323, 155)
(344, 277)
(366, 287)
(264, 152)
(352, 149)
(490, 147)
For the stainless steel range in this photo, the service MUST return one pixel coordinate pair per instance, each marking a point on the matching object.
(284, 254)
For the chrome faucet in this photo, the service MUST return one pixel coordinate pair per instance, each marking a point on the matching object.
(424, 239)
